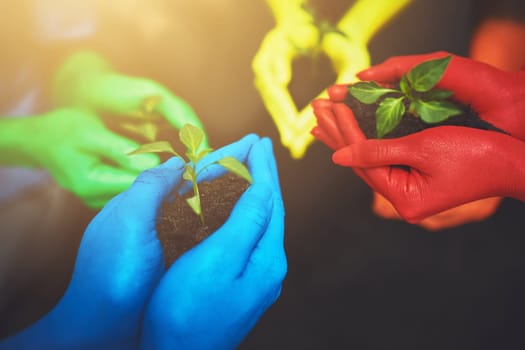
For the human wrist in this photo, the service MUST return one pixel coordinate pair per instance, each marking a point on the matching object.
(297, 27)
(151, 337)
(290, 11)
(510, 174)
(519, 79)
(518, 188)
(512, 88)
(64, 327)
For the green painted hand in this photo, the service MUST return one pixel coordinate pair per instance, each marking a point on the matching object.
(81, 154)
(86, 80)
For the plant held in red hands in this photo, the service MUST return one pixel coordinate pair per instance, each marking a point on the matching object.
(416, 91)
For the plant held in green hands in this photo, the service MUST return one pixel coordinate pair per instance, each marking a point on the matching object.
(415, 88)
(192, 137)
(145, 119)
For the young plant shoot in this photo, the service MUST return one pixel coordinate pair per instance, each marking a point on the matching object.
(145, 119)
(192, 137)
(323, 25)
(416, 88)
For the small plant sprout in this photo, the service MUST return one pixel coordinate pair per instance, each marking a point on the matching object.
(145, 118)
(416, 88)
(323, 25)
(192, 137)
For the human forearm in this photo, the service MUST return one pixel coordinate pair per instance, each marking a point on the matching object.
(77, 322)
(15, 135)
(366, 17)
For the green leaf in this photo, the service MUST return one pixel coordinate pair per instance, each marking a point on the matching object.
(192, 157)
(435, 111)
(404, 85)
(189, 174)
(326, 27)
(195, 158)
(191, 136)
(203, 153)
(308, 9)
(136, 114)
(147, 130)
(155, 147)
(150, 103)
(426, 75)
(150, 131)
(195, 204)
(368, 91)
(436, 94)
(236, 167)
(388, 115)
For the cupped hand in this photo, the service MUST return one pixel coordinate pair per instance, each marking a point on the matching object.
(83, 156)
(272, 64)
(338, 128)
(347, 55)
(497, 96)
(272, 67)
(119, 263)
(447, 166)
(86, 80)
(214, 294)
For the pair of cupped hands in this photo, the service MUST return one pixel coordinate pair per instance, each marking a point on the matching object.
(73, 141)
(122, 297)
(448, 166)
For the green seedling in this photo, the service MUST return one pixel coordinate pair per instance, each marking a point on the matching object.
(415, 87)
(192, 138)
(323, 25)
(145, 119)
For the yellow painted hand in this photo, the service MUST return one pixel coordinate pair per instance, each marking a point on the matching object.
(295, 34)
(273, 72)
(272, 67)
(348, 57)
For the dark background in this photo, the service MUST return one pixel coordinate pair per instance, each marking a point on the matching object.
(357, 281)
(354, 280)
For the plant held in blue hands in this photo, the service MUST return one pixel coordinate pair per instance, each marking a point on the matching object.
(192, 138)
(416, 89)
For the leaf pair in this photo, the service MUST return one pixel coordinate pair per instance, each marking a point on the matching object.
(415, 88)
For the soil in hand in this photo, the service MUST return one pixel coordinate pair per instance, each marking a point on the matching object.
(179, 228)
(365, 116)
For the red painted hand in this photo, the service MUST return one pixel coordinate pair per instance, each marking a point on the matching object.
(337, 128)
(443, 167)
(497, 96)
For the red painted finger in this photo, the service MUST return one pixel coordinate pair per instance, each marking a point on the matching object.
(347, 124)
(326, 121)
(338, 92)
(319, 134)
(321, 103)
